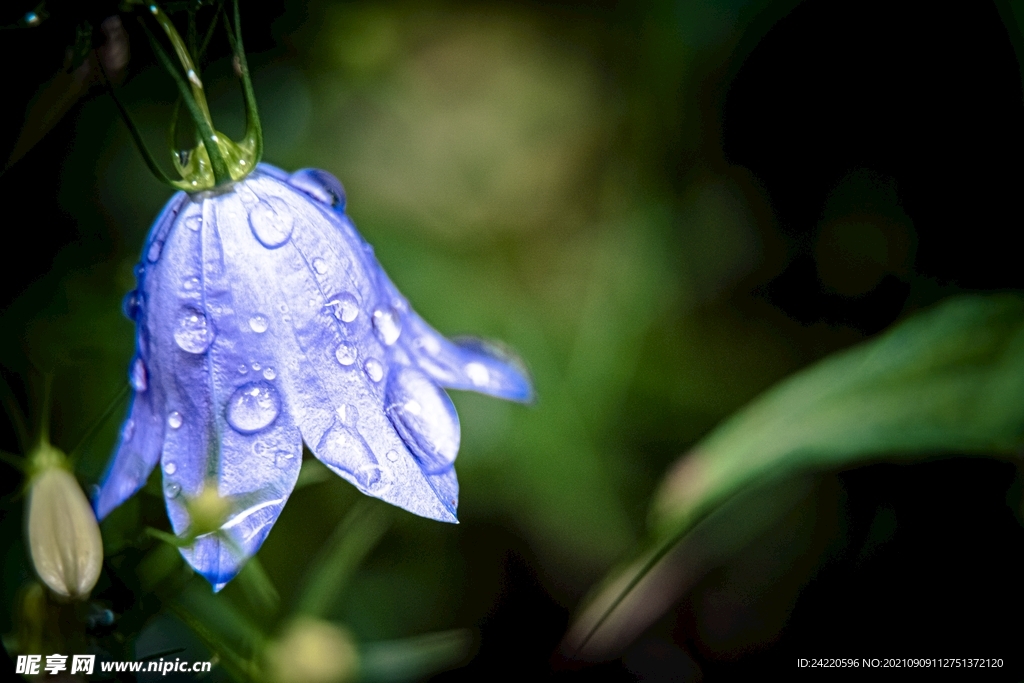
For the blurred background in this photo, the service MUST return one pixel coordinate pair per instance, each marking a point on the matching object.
(665, 208)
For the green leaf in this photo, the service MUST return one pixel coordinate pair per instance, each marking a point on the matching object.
(413, 659)
(353, 539)
(947, 381)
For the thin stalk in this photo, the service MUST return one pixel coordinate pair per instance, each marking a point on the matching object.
(201, 119)
(253, 127)
(133, 130)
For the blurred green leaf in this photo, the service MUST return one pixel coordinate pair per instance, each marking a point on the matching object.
(412, 659)
(352, 541)
(950, 380)
(259, 590)
(221, 627)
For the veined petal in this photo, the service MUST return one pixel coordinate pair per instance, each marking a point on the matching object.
(228, 423)
(332, 366)
(141, 437)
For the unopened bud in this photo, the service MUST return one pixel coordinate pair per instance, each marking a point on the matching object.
(312, 651)
(63, 535)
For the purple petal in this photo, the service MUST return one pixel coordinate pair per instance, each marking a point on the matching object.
(228, 422)
(141, 438)
(333, 367)
(137, 452)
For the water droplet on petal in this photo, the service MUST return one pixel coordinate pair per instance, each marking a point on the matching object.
(345, 353)
(347, 414)
(428, 344)
(172, 489)
(272, 222)
(128, 431)
(319, 185)
(258, 323)
(190, 284)
(374, 370)
(174, 419)
(392, 456)
(319, 265)
(194, 333)
(170, 468)
(194, 223)
(242, 369)
(253, 406)
(269, 373)
(132, 305)
(478, 374)
(153, 255)
(138, 377)
(344, 307)
(342, 448)
(425, 418)
(387, 325)
(256, 367)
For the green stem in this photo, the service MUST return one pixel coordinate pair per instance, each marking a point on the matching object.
(253, 128)
(199, 116)
(133, 130)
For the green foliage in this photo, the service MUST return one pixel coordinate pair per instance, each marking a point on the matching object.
(947, 381)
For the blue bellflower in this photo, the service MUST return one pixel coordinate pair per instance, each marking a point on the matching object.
(264, 321)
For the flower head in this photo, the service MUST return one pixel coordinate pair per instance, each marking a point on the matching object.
(264, 321)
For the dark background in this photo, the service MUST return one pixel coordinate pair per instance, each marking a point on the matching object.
(922, 105)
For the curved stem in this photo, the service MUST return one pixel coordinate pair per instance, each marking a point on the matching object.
(199, 116)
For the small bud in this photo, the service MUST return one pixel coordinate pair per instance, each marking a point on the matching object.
(312, 651)
(64, 538)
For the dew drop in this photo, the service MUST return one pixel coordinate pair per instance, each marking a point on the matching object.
(256, 366)
(258, 323)
(128, 431)
(132, 305)
(345, 307)
(138, 377)
(478, 374)
(345, 353)
(272, 222)
(269, 373)
(194, 334)
(170, 468)
(174, 419)
(153, 255)
(347, 414)
(392, 456)
(190, 284)
(319, 265)
(425, 418)
(387, 325)
(194, 223)
(374, 370)
(253, 406)
(343, 449)
(243, 368)
(428, 344)
(172, 489)
(320, 185)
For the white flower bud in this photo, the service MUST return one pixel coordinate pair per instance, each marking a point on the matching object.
(63, 535)
(312, 651)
